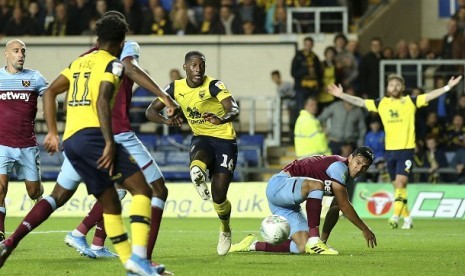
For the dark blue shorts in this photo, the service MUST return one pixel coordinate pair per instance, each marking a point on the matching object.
(84, 148)
(223, 153)
(399, 162)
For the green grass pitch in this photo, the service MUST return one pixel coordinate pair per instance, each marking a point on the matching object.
(187, 246)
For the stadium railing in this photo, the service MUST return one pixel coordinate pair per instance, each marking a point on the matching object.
(317, 21)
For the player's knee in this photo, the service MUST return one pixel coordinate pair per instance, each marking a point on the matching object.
(35, 191)
(159, 189)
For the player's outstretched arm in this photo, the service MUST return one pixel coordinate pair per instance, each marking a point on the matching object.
(153, 114)
(340, 193)
(438, 92)
(139, 76)
(232, 112)
(58, 86)
(336, 91)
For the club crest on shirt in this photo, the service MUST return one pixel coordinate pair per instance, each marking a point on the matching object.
(202, 94)
(26, 83)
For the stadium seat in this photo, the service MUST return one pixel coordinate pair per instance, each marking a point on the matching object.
(252, 148)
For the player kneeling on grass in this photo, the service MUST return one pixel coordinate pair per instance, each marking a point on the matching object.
(308, 179)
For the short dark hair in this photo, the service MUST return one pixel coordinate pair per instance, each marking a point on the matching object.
(309, 38)
(275, 72)
(193, 53)
(366, 152)
(115, 13)
(111, 28)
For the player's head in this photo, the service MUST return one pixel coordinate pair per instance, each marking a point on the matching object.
(360, 160)
(15, 55)
(111, 32)
(194, 65)
(115, 13)
(396, 85)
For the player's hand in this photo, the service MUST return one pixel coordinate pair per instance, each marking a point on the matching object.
(173, 121)
(335, 90)
(453, 81)
(172, 107)
(52, 143)
(212, 118)
(106, 161)
(370, 238)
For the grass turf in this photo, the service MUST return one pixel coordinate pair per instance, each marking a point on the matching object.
(187, 246)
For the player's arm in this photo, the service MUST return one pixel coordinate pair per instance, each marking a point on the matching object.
(336, 91)
(438, 92)
(231, 109)
(342, 198)
(106, 90)
(153, 114)
(58, 86)
(139, 76)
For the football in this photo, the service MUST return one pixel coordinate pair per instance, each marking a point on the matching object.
(275, 229)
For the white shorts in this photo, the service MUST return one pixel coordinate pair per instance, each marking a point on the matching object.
(69, 179)
(25, 162)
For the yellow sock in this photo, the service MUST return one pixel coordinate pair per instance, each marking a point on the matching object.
(224, 212)
(139, 216)
(400, 199)
(118, 235)
(405, 211)
(199, 164)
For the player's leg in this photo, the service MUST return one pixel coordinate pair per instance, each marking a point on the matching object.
(29, 171)
(200, 160)
(4, 178)
(39, 213)
(332, 217)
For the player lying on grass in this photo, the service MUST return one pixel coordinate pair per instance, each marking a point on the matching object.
(308, 179)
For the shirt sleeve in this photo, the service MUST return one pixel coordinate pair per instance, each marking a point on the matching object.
(219, 90)
(338, 172)
(170, 90)
(42, 84)
(371, 105)
(420, 100)
(113, 72)
(130, 49)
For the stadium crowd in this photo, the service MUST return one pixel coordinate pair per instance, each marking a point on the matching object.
(157, 17)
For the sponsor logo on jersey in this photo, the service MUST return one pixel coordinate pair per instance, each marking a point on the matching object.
(193, 113)
(26, 83)
(10, 95)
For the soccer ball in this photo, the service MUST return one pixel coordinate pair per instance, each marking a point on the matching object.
(275, 229)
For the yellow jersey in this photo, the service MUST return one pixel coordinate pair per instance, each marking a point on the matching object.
(198, 100)
(398, 117)
(85, 75)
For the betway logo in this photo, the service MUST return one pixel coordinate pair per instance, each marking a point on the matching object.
(433, 204)
(15, 96)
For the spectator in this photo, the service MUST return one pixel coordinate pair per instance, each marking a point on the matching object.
(346, 63)
(455, 134)
(59, 26)
(374, 137)
(452, 48)
(402, 50)
(426, 52)
(389, 54)
(307, 72)
(344, 123)
(134, 14)
(91, 30)
(182, 24)
(6, 12)
(228, 22)
(419, 161)
(19, 25)
(420, 116)
(36, 18)
(410, 71)
(208, 20)
(433, 127)
(175, 74)
(159, 23)
(460, 108)
(443, 106)
(309, 138)
(49, 14)
(248, 28)
(280, 21)
(80, 13)
(369, 70)
(248, 11)
(286, 92)
(196, 13)
(101, 7)
(330, 75)
(436, 159)
(458, 162)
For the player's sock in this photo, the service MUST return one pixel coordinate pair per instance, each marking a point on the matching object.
(399, 202)
(92, 218)
(118, 236)
(100, 235)
(266, 247)
(2, 219)
(224, 212)
(198, 163)
(313, 207)
(38, 214)
(139, 216)
(405, 212)
(157, 212)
